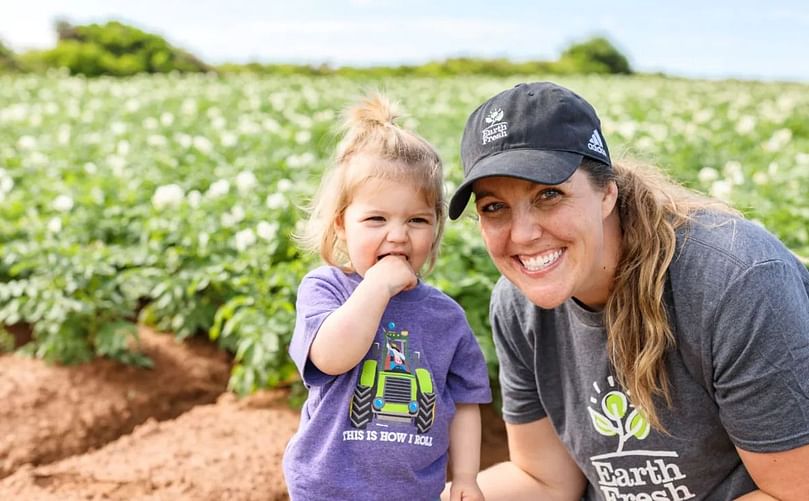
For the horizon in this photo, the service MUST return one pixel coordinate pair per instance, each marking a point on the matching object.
(739, 40)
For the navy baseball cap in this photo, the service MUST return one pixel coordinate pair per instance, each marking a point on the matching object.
(537, 131)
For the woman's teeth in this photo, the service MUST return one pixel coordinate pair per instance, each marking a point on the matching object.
(536, 263)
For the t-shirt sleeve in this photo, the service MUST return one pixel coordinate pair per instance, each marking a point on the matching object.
(517, 377)
(468, 376)
(317, 298)
(760, 349)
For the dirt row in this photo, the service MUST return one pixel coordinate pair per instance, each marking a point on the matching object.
(107, 431)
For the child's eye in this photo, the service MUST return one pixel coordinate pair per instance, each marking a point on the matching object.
(375, 218)
(420, 220)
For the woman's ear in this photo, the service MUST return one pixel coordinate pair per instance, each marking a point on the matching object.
(610, 198)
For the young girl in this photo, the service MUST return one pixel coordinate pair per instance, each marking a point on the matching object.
(393, 371)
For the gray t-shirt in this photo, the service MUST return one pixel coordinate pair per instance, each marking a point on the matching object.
(381, 430)
(738, 301)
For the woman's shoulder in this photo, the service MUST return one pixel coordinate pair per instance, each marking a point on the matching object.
(712, 239)
(715, 251)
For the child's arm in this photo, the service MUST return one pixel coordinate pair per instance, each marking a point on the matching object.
(344, 337)
(464, 453)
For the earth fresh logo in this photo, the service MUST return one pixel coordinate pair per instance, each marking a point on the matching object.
(610, 421)
(496, 129)
(631, 474)
(494, 116)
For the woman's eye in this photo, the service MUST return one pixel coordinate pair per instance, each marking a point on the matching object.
(492, 207)
(549, 194)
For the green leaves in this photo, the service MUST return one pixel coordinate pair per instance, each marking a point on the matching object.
(615, 406)
(603, 425)
(637, 425)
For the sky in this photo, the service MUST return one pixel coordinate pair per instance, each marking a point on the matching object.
(696, 39)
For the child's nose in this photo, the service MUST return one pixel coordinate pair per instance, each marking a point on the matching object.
(397, 233)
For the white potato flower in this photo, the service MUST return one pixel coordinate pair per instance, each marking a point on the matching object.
(218, 188)
(761, 178)
(721, 189)
(117, 164)
(203, 239)
(170, 195)
(118, 128)
(276, 201)
(55, 225)
(194, 198)
(746, 125)
(707, 175)
(62, 203)
(284, 185)
(245, 181)
(778, 140)
(244, 239)
(6, 182)
(156, 140)
(733, 172)
(63, 136)
(267, 231)
(233, 217)
(203, 144)
(27, 143)
(228, 139)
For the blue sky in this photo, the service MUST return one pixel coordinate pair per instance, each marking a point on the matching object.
(720, 39)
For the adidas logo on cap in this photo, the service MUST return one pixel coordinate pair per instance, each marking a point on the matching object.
(596, 144)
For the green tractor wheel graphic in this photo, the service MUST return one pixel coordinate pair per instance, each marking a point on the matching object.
(361, 406)
(392, 388)
(426, 415)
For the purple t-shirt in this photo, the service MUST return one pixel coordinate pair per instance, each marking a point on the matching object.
(381, 430)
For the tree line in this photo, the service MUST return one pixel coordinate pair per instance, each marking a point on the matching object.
(117, 49)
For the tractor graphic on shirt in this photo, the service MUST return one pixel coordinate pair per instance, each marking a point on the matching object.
(392, 388)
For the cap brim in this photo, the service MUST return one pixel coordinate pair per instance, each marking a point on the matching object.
(539, 166)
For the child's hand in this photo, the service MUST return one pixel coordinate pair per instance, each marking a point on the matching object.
(465, 490)
(393, 273)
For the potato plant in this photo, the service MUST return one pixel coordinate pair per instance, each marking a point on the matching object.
(170, 199)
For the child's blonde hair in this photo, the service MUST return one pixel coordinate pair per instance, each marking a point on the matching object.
(369, 129)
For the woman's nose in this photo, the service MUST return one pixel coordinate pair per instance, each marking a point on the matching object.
(525, 228)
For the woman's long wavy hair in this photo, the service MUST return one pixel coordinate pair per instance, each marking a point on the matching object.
(651, 208)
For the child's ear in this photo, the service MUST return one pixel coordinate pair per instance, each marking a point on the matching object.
(339, 227)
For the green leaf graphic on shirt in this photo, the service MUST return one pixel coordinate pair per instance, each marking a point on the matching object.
(617, 416)
(614, 405)
(637, 425)
(602, 424)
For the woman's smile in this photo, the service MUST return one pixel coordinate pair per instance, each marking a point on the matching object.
(540, 262)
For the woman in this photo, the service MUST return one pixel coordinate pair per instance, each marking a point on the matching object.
(652, 343)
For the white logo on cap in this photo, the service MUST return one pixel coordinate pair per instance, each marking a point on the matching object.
(596, 144)
(496, 128)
